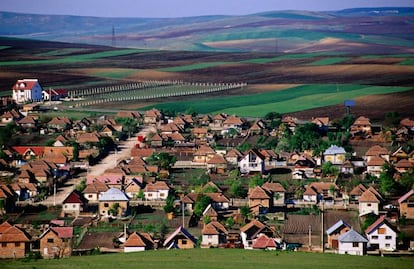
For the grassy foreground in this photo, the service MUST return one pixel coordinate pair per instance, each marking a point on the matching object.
(216, 258)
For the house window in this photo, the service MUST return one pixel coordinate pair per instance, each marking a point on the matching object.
(17, 244)
(73, 206)
(209, 236)
(149, 194)
(355, 244)
(388, 237)
(381, 230)
(89, 195)
(387, 245)
(375, 237)
(66, 206)
(184, 241)
(369, 205)
(106, 205)
(50, 240)
(162, 194)
(3, 245)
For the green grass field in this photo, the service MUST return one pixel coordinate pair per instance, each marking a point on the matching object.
(330, 61)
(75, 58)
(215, 258)
(285, 101)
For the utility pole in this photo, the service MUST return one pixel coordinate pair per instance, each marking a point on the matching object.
(322, 231)
(310, 237)
(183, 215)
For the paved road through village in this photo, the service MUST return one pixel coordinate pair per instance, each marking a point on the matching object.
(110, 161)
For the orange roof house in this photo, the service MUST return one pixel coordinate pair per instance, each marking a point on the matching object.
(14, 242)
(56, 242)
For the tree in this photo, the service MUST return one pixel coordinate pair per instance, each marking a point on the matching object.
(163, 160)
(169, 203)
(236, 189)
(245, 212)
(201, 204)
(256, 180)
(387, 183)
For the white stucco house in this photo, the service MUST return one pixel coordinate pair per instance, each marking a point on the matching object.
(352, 243)
(252, 161)
(382, 235)
(27, 90)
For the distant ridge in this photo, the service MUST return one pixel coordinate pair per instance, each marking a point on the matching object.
(272, 31)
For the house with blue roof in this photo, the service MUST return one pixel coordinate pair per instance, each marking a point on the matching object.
(335, 155)
(352, 243)
(336, 230)
(113, 202)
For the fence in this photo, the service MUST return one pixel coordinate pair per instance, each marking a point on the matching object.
(146, 90)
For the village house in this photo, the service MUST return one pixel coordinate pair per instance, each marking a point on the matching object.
(180, 239)
(14, 241)
(138, 242)
(356, 192)
(374, 166)
(217, 164)
(94, 190)
(233, 156)
(317, 191)
(73, 205)
(219, 201)
(56, 242)
(335, 155)
(382, 235)
(252, 230)
(377, 151)
(217, 122)
(156, 191)
(233, 122)
(406, 205)
(361, 126)
(264, 242)
(210, 214)
(27, 90)
(114, 203)
(252, 161)
(352, 243)
(369, 202)
(333, 233)
(153, 117)
(259, 200)
(276, 191)
(202, 155)
(10, 116)
(213, 234)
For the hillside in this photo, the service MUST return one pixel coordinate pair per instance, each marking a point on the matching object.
(353, 31)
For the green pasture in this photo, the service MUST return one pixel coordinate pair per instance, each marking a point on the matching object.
(4, 47)
(192, 66)
(214, 258)
(116, 73)
(79, 58)
(285, 101)
(330, 61)
(62, 52)
(408, 61)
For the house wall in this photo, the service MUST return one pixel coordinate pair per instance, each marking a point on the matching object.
(384, 237)
(247, 164)
(184, 243)
(13, 250)
(310, 198)
(133, 249)
(407, 210)
(105, 206)
(332, 238)
(156, 195)
(348, 248)
(256, 202)
(335, 159)
(281, 200)
(210, 240)
(368, 207)
(72, 209)
(374, 170)
(52, 246)
(91, 197)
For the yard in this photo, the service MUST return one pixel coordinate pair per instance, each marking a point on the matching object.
(215, 258)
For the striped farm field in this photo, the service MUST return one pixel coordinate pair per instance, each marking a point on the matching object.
(79, 58)
(284, 101)
(215, 258)
(329, 61)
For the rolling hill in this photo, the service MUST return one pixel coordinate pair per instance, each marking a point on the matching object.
(354, 31)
